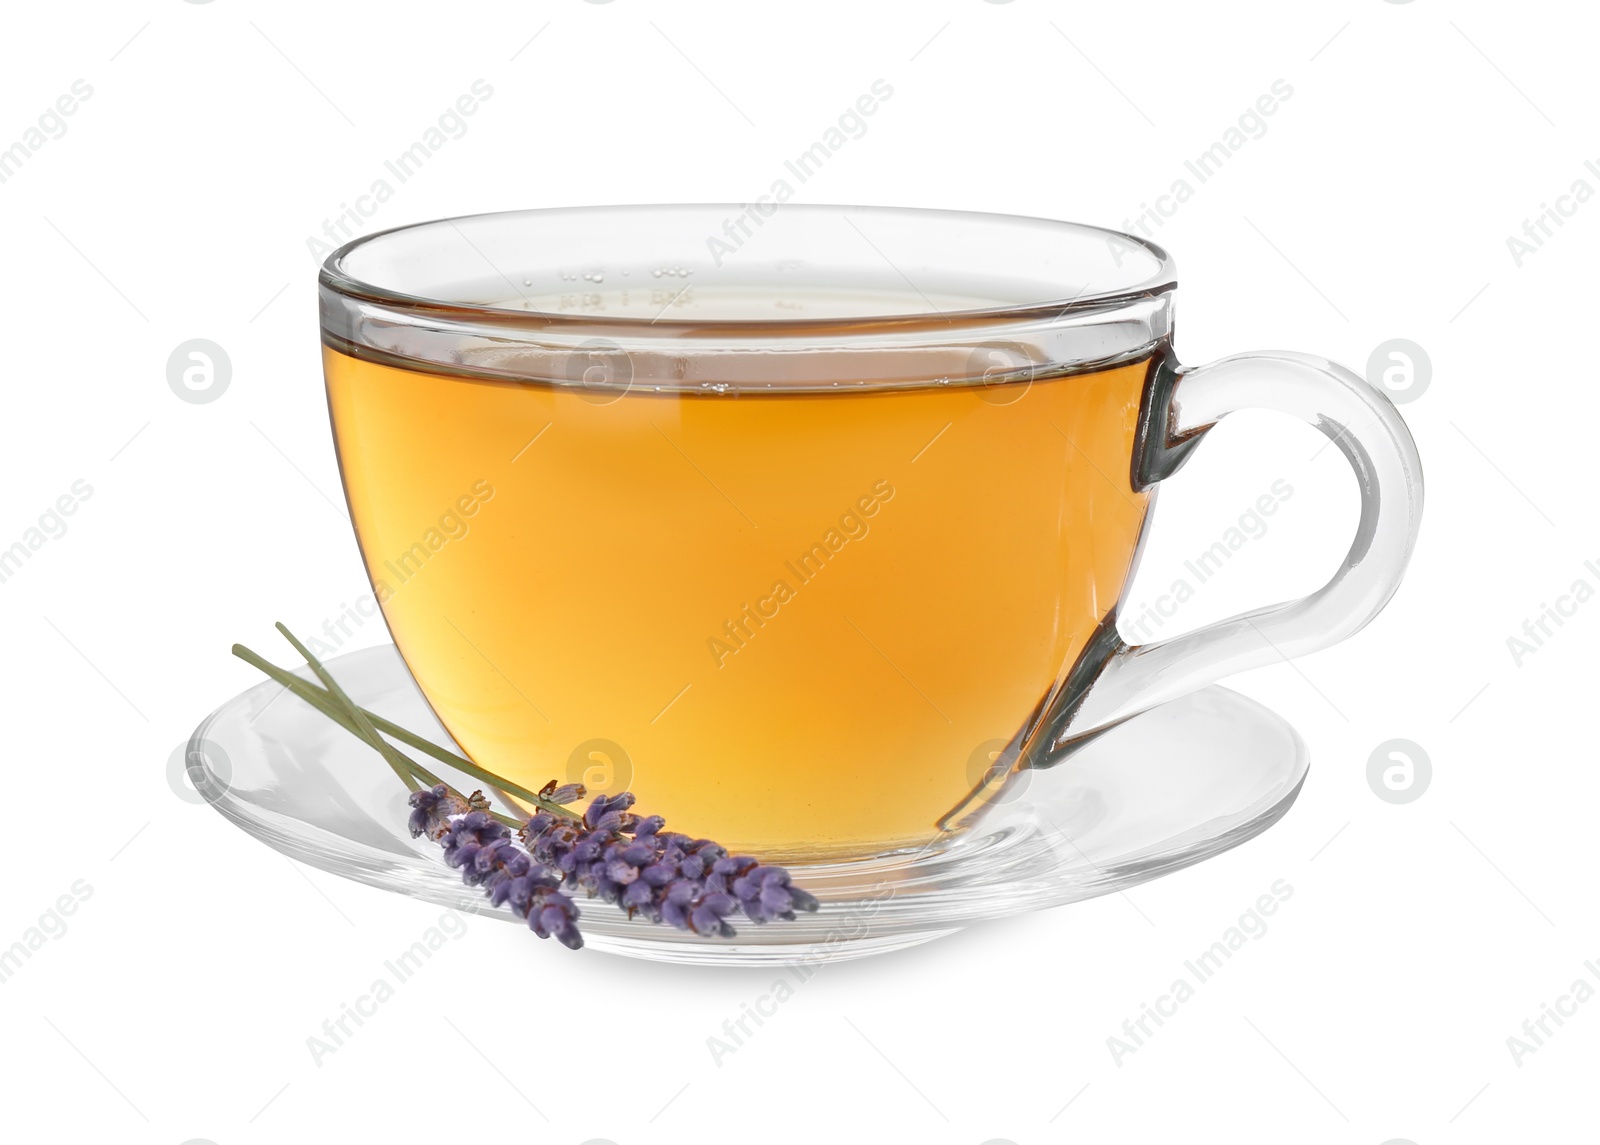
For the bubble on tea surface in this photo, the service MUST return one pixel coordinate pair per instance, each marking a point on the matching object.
(211, 759)
(1399, 771)
(1002, 371)
(1401, 369)
(601, 370)
(603, 766)
(199, 371)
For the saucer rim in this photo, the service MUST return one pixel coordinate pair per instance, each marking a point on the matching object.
(908, 919)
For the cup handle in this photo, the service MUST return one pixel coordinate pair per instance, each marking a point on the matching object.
(1115, 680)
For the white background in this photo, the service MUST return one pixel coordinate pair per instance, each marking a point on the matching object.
(178, 1002)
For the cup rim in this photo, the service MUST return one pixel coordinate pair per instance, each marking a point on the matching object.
(334, 276)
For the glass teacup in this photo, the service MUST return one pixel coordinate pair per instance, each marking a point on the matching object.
(809, 526)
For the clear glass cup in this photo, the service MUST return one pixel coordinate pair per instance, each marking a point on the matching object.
(808, 525)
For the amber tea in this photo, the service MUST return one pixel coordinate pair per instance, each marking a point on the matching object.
(796, 622)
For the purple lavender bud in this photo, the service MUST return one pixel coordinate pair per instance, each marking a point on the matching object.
(684, 892)
(500, 855)
(481, 826)
(611, 812)
(676, 902)
(603, 804)
(675, 841)
(621, 872)
(707, 916)
(659, 874)
(804, 900)
(431, 811)
(700, 856)
(640, 896)
(726, 871)
(480, 846)
(765, 893)
(566, 793)
(611, 854)
(461, 854)
(775, 899)
(675, 914)
(467, 835)
(507, 890)
(555, 916)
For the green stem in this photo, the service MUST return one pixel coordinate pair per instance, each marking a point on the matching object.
(325, 703)
(392, 757)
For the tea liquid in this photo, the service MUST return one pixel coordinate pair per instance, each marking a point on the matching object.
(796, 623)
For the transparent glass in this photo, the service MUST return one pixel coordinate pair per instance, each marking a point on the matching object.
(807, 526)
(1161, 791)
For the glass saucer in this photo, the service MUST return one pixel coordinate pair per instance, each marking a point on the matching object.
(1163, 790)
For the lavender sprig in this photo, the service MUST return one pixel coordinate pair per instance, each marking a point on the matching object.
(608, 852)
(611, 854)
(692, 884)
(330, 706)
(479, 846)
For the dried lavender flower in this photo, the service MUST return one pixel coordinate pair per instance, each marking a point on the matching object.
(611, 854)
(480, 846)
(663, 876)
(432, 808)
(566, 793)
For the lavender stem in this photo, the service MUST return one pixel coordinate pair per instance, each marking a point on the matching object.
(325, 703)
